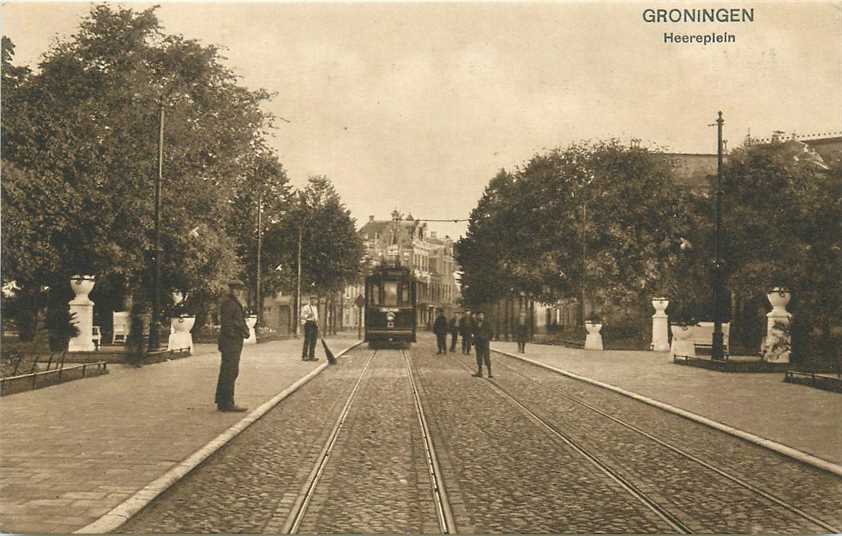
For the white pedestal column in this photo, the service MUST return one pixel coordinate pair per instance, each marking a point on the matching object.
(251, 321)
(83, 307)
(682, 344)
(660, 335)
(777, 341)
(180, 336)
(594, 339)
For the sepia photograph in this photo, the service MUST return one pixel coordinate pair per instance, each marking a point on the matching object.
(431, 267)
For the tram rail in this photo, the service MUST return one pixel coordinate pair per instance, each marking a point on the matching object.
(299, 508)
(445, 515)
(650, 503)
(681, 452)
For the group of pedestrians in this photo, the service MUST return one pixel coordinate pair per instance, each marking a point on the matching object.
(472, 327)
(476, 333)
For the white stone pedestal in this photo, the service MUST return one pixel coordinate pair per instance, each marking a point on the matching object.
(594, 339)
(682, 343)
(777, 319)
(251, 321)
(83, 307)
(660, 335)
(180, 336)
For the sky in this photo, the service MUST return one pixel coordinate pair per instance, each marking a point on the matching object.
(417, 106)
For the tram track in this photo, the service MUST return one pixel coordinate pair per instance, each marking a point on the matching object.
(299, 508)
(734, 479)
(687, 455)
(320, 487)
(443, 510)
(669, 518)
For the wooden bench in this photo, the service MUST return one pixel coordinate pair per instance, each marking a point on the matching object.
(702, 337)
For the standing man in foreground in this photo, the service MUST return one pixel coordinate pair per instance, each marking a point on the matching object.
(482, 341)
(310, 321)
(231, 336)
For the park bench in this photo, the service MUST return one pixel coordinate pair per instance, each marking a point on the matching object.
(121, 327)
(701, 337)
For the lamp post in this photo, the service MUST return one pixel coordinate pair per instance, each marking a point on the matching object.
(717, 350)
(258, 302)
(154, 341)
(298, 282)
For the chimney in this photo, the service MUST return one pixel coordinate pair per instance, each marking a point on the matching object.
(371, 218)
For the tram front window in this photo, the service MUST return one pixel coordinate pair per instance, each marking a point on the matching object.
(390, 293)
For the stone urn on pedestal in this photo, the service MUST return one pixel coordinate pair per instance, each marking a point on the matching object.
(660, 325)
(681, 343)
(251, 321)
(593, 341)
(682, 320)
(180, 336)
(181, 322)
(83, 308)
(778, 344)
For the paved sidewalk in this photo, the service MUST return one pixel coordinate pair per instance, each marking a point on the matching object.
(798, 416)
(72, 452)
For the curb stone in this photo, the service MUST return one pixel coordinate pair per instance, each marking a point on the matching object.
(790, 452)
(121, 513)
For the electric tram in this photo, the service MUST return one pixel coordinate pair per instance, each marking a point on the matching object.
(390, 306)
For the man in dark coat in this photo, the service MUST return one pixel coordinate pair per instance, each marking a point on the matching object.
(231, 336)
(440, 329)
(482, 340)
(521, 333)
(465, 327)
(453, 328)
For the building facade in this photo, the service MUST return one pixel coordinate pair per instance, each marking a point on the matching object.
(410, 243)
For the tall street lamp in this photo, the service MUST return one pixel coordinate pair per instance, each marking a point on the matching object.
(154, 341)
(258, 297)
(717, 351)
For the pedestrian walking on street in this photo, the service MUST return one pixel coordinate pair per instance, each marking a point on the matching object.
(482, 340)
(521, 333)
(310, 321)
(465, 327)
(440, 329)
(453, 328)
(231, 336)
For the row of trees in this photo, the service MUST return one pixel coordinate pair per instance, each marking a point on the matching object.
(611, 224)
(80, 148)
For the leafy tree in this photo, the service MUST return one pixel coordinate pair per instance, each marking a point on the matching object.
(265, 180)
(782, 221)
(596, 218)
(331, 250)
(82, 133)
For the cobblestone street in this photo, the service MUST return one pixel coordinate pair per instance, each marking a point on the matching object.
(501, 470)
(531, 451)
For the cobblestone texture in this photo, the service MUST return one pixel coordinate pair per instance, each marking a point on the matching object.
(693, 492)
(505, 474)
(376, 479)
(253, 481)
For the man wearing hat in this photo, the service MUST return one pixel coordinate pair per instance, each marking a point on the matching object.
(231, 336)
(310, 321)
